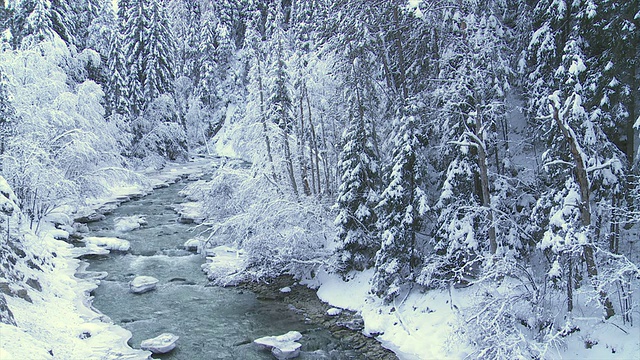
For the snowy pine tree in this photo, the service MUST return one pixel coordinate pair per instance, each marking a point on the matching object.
(358, 191)
(134, 17)
(117, 87)
(400, 211)
(157, 54)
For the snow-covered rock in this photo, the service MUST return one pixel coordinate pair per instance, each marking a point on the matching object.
(160, 344)
(225, 265)
(80, 228)
(89, 249)
(192, 245)
(59, 234)
(334, 312)
(58, 218)
(142, 284)
(128, 223)
(282, 346)
(285, 290)
(92, 217)
(109, 243)
(190, 212)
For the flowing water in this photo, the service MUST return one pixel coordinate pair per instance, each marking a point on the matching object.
(212, 322)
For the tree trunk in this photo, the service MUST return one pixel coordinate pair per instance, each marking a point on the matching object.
(325, 158)
(289, 162)
(301, 145)
(631, 136)
(484, 181)
(263, 120)
(314, 143)
(569, 283)
(584, 206)
(399, 48)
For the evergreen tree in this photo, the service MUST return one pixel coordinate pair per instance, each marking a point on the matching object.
(100, 32)
(117, 89)
(400, 212)
(157, 54)
(476, 72)
(215, 51)
(182, 15)
(358, 192)
(31, 23)
(573, 202)
(134, 40)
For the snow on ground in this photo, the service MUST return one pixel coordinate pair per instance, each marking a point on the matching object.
(56, 320)
(420, 327)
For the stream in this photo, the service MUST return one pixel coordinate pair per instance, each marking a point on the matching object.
(212, 322)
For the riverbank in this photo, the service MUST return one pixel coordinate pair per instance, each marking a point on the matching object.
(346, 326)
(45, 309)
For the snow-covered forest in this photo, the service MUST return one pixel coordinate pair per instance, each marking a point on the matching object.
(474, 158)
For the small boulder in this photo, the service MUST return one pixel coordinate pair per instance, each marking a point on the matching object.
(192, 245)
(129, 223)
(59, 234)
(93, 217)
(285, 290)
(160, 344)
(142, 284)
(282, 346)
(334, 312)
(109, 243)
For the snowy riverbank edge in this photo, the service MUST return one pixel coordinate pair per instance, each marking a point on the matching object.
(59, 321)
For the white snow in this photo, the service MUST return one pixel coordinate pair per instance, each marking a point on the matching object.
(59, 234)
(190, 212)
(285, 290)
(334, 312)
(418, 327)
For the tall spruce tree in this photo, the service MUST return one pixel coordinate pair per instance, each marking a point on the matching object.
(157, 54)
(400, 211)
(358, 193)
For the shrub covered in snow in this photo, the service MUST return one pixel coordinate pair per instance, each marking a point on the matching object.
(279, 235)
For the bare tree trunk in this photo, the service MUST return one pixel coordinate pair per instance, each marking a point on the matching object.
(288, 161)
(400, 49)
(263, 120)
(584, 206)
(301, 145)
(569, 283)
(484, 181)
(314, 143)
(325, 158)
